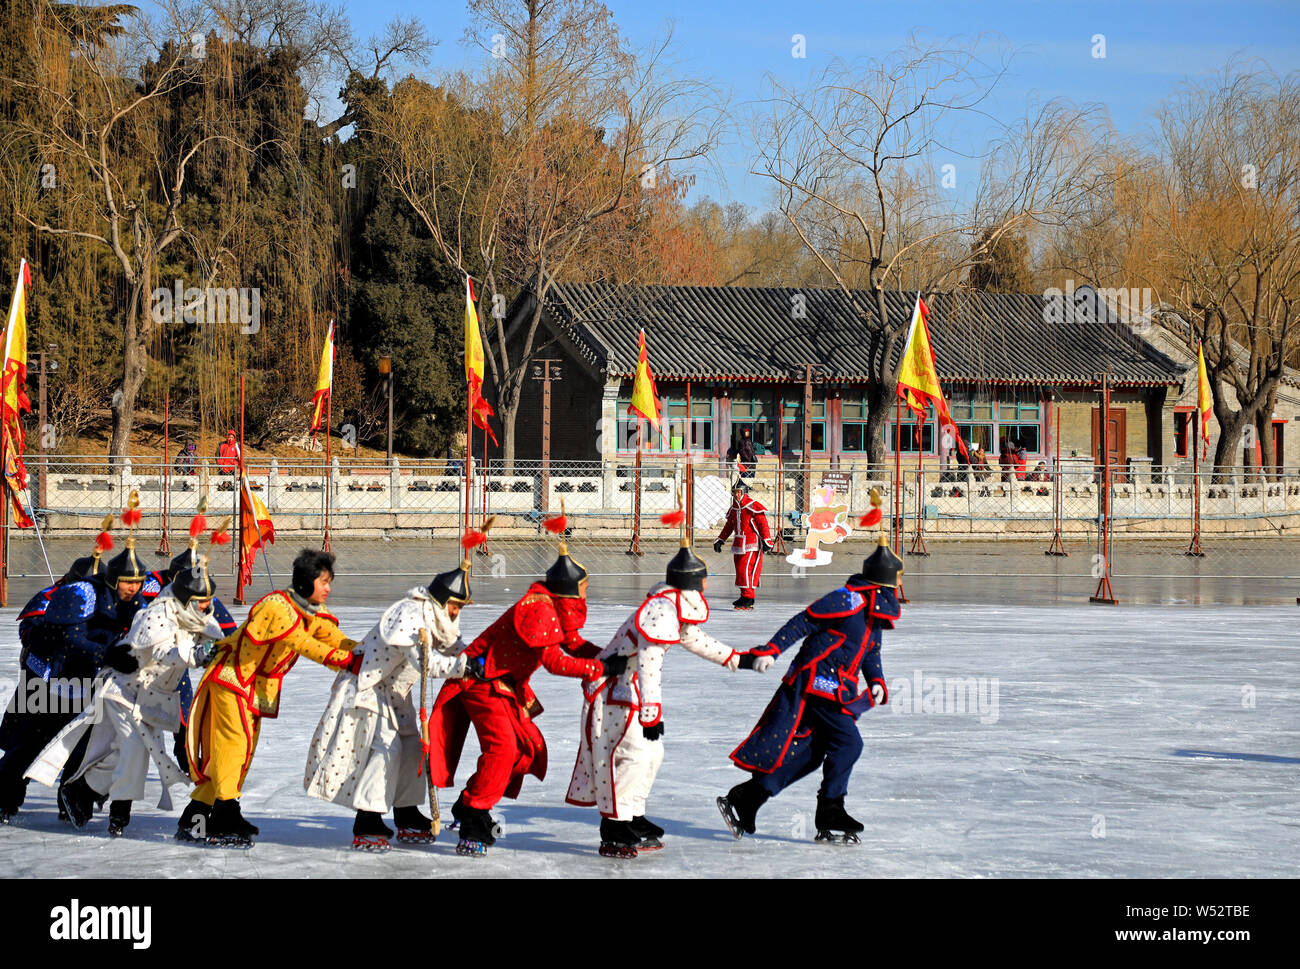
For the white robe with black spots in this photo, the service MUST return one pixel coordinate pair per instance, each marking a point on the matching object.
(616, 765)
(366, 752)
(134, 712)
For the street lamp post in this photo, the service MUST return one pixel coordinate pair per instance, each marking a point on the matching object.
(386, 369)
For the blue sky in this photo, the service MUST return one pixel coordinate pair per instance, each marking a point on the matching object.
(1151, 45)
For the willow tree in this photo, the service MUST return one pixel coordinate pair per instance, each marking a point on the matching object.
(107, 131)
(854, 161)
(569, 129)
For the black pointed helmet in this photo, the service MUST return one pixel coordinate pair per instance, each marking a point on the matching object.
(194, 582)
(686, 570)
(882, 567)
(452, 586)
(86, 567)
(565, 575)
(125, 566)
(188, 559)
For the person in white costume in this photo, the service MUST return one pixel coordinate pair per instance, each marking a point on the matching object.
(367, 750)
(620, 750)
(134, 713)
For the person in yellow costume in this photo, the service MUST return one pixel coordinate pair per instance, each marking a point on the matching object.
(242, 686)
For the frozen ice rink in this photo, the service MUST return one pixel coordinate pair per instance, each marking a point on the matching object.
(1072, 740)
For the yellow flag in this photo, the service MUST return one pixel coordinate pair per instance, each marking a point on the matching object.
(473, 341)
(324, 380)
(479, 409)
(917, 372)
(14, 373)
(1204, 402)
(645, 396)
(918, 378)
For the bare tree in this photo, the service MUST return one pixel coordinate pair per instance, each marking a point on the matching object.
(853, 161)
(104, 128)
(570, 131)
(1216, 212)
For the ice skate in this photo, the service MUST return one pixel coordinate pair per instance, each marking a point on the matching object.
(739, 808)
(617, 839)
(834, 824)
(192, 826)
(413, 828)
(119, 816)
(650, 834)
(744, 604)
(369, 833)
(227, 827)
(78, 800)
(477, 831)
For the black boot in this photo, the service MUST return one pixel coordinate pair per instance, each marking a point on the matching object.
(477, 831)
(78, 799)
(650, 834)
(617, 839)
(369, 833)
(119, 816)
(227, 827)
(179, 752)
(833, 823)
(193, 823)
(459, 810)
(412, 826)
(740, 807)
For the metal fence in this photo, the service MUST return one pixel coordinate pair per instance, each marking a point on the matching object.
(1141, 522)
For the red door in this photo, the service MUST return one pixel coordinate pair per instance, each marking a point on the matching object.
(1115, 440)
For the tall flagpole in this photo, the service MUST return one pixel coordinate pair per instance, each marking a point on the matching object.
(239, 505)
(4, 457)
(329, 423)
(164, 545)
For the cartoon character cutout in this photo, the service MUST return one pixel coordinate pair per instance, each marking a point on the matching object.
(827, 524)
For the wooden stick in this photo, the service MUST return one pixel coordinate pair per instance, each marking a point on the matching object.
(435, 813)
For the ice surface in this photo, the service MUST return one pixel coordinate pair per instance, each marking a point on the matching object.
(1123, 742)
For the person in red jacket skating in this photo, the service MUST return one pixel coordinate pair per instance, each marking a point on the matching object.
(544, 628)
(747, 520)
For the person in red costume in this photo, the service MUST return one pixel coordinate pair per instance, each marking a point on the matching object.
(544, 629)
(747, 520)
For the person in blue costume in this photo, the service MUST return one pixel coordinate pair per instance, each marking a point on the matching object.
(80, 570)
(811, 722)
(67, 646)
(158, 580)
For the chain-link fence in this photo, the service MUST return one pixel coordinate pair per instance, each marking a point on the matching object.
(1069, 521)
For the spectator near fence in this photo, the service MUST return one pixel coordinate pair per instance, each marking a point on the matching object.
(1020, 456)
(228, 455)
(187, 462)
(743, 451)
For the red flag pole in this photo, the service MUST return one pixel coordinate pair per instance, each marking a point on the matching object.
(469, 451)
(898, 477)
(329, 423)
(239, 505)
(4, 523)
(1195, 547)
(634, 547)
(164, 546)
(918, 540)
(483, 546)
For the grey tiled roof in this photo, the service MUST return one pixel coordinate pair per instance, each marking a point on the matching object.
(749, 333)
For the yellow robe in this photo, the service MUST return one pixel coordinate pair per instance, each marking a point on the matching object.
(242, 685)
